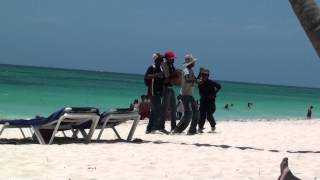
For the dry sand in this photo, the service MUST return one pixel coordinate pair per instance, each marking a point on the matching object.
(238, 150)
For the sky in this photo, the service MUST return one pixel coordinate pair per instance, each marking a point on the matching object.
(257, 41)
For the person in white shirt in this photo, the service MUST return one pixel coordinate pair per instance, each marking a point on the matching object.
(191, 112)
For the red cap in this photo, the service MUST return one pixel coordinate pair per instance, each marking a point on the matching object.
(170, 55)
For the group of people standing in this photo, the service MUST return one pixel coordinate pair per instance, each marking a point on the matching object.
(161, 77)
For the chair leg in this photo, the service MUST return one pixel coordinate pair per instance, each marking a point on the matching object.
(83, 133)
(24, 136)
(55, 130)
(102, 128)
(64, 134)
(75, 133)
(116, 132)
(3, 128)
(92, 129)
(133, 128)
(100, 134)
(31, 133)
(38, 135)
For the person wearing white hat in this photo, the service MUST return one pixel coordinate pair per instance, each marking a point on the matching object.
(191, 112)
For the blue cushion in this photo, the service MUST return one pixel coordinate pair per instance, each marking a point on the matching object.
(54, 116)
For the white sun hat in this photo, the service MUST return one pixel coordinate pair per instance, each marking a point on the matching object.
(189, 59)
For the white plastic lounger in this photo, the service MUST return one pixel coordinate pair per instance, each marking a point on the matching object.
(64, 119)
(113, 119)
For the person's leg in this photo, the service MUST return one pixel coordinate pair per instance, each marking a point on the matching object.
(203, 114)
(164, 109)
(173, 109)
(195, 117)
(185, 120)
(148, 114)
(212, 109)
(152, 115)
(157, 125)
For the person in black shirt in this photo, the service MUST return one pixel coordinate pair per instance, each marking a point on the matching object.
(154, 79)
(208, 90)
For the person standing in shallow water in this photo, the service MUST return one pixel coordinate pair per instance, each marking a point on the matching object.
(309, 113)
(154, 80)
(208, 90)
(191, 112)
(169, 96)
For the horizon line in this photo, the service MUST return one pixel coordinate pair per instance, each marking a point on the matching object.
(135, 74)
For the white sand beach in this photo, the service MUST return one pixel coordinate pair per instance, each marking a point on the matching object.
(238, 150)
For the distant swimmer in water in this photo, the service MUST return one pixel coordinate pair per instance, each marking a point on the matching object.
(250, 105)
(309, 114)
(227, 106)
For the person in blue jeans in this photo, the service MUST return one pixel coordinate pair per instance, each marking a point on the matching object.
(191, 112)
(154, 80)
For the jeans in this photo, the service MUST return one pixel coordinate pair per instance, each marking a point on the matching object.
(168, 103)
(191, 113)
(207, 108)
(155, 112)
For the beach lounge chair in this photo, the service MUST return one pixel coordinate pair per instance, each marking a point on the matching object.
(119, 116)
(65, 119)
(112, 119)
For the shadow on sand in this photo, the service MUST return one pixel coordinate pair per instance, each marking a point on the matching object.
(61, 141)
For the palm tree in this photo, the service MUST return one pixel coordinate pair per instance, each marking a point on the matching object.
(308, 14)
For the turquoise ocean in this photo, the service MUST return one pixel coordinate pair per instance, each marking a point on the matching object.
(29, 91)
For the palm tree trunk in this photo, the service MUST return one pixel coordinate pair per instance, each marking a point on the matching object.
(308, 14)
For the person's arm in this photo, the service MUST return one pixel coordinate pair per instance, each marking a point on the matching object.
(217, 86)
(156, 75)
